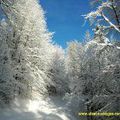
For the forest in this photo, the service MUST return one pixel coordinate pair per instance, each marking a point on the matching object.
(39, 80)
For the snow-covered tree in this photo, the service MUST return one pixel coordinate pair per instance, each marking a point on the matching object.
(106, 14)
(28, 41)
(105, 86)
(58, 72)
(87, 36)
(73, 62)
(96, 84)
(6, 79)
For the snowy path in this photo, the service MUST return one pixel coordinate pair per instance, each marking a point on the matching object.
(49, 109)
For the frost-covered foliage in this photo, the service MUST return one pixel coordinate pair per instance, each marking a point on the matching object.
(25, 57)
(6, 78)
(107, 11)
(73, 62)
(31, 66)
(58, 72)
(94, 75)
(87, 36)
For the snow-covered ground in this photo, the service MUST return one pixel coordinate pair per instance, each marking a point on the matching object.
(53, 108)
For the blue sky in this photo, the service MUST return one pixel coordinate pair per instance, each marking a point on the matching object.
(64, 18)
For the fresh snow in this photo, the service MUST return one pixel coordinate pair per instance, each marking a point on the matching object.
(53, 108)
(118, 47)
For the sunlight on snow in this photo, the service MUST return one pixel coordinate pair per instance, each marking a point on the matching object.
(33, 106)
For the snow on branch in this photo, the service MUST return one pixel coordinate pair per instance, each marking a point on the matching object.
(100, 13)
(108, 21)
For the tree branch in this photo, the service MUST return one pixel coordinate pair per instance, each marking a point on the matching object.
(116, 15)
(108, 21)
